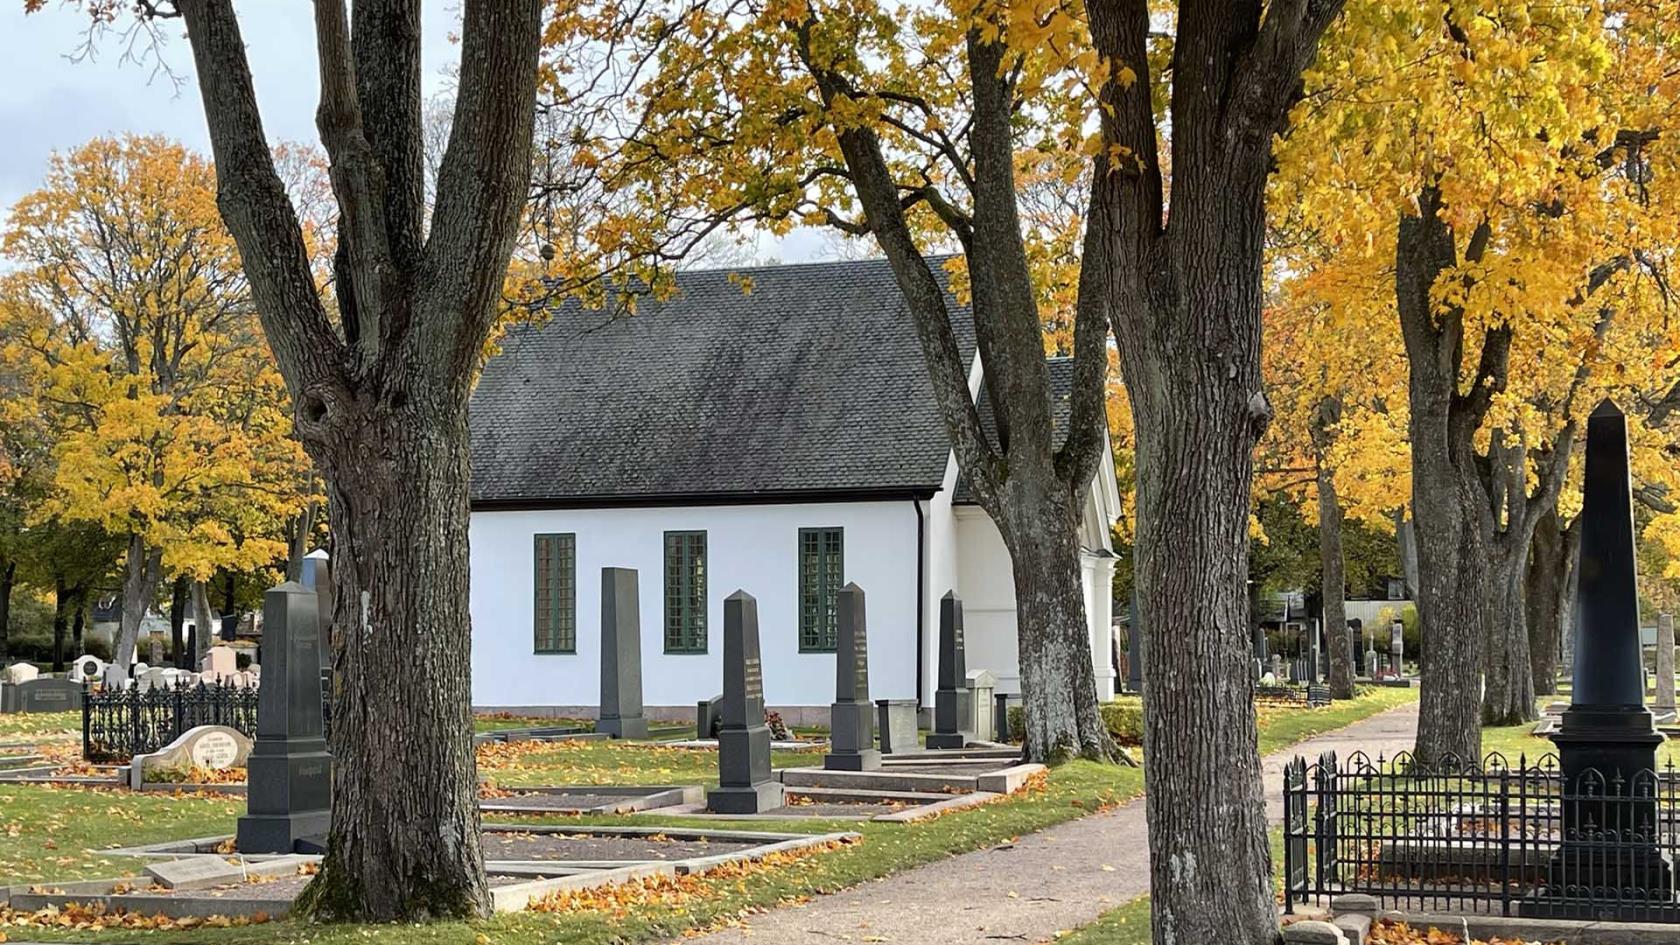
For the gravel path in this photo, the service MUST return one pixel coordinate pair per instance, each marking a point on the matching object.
(1056, 879)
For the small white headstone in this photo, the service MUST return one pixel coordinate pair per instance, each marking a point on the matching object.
(114, 677)
(21, 673)
(87, 668)
(212, 747)
(151, 679)
(219, 662)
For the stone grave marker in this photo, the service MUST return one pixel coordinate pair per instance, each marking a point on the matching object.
(211, 747)
(621, 656)
(1664, 704)
(745, 784)
(221, 661)
(982, 685)
(87, 668)
(851, 726)
(1371, 663)
(316, 574)
(707, 716)
(897, 725)
(195, 872)
(19, 673)
(953, 674)
(152, 678)
(1397, 646)
(41, 694)
(289, 792)
(154, 651)
(1277, 665)
(114, 677)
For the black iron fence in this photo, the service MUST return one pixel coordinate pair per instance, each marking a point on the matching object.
(1512, 839)
(118, 724)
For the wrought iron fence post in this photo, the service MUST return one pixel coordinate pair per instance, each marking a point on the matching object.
(1288, 847)
(87, 719)
(1505, 839)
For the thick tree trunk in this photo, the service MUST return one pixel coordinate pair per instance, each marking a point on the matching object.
(397, 480)
(300, 529)
(204, 624)
(1545, 586)
(178, 619)
(80, 619)
(1571, 584)
(1406, 537)
(8, 577)
(1509, 695)
(61, 621)
(1334, 584)
(1058, 681)
(140, 578)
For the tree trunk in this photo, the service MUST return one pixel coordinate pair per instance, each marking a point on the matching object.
(8, 575)
(80, 619)
(1334, 584)
(1509, 695)
(397, 479)
(177, 618)
(61, 621)
(140, 579)
(1571, 584)
(301, 527)
(204, 625)
(1058, 682)
(1545, 585)
(1450, 552)
(1405, 536)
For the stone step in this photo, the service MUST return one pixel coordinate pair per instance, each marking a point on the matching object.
(883, 780)
(852, 795)
(18, 761)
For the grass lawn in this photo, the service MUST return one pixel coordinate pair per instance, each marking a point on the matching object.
(86, 822)
(16, 726)
(1515, 740)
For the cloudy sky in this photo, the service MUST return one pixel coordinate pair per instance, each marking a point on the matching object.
(55, 99)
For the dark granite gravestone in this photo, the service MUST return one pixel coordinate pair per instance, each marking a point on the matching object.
(41, 694)
(708, 715)
(953, 675)
(1134, 647)
(745, 784)
(1001, 714)
(317, 576)
(289, 797)
(1397, 647)
(621, 656)
(1259, 638)
(896, 723)
(1607, 740)
(1313, 655)
(851, 722)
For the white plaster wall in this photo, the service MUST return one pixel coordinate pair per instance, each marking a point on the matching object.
(986, 584)
(941, 575)
(750, 547)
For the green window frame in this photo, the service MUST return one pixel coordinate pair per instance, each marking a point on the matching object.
(822, 572)
(554, 593)
(685, 592)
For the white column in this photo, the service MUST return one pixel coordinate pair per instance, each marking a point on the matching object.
(1097, 571)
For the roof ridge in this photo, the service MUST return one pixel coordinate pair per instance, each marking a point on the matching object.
(807, 264)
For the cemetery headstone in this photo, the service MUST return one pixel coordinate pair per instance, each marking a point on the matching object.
(151, 679)
(19, 673)
(982, 686)
(1313, 653)
(953, 674)
(1371, 663)
(897, 718)
(1607, 740)
(621, 656)
(708, 716)
(220, 661)
(210, 747)
(1259, 644)
(1665, 664)
(1397, 647)
(87, 668)
(1277, 665)
(114, 677)
(154, 651)
(42, 694)
(316, 575)
(745, 784)
(851, 718)
(289, 792)
(1001, 715)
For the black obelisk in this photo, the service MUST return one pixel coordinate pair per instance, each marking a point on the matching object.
(1608, 739)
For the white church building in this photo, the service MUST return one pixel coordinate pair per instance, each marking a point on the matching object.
(782, 440)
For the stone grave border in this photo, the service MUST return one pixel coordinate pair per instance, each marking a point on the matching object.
(512, 897)
(634, 798)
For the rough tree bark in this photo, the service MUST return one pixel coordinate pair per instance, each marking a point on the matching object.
(1545, 593)
(61, 621)
(8, 577)
(140, 579)
(1475, 517)
(80, 619)
(381, 406)
(1406, 537)
(1185, 303)
(203, 624)
(1033, 489)
(177, 620)
(1332, 565)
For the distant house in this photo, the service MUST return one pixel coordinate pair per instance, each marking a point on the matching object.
(782, 440)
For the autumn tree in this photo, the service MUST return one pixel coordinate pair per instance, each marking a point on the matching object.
(379, 384)
(1496, 169)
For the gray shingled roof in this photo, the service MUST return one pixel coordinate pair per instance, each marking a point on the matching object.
(812, 383)
(1061, 390)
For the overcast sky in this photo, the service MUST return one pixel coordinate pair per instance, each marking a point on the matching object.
(53, 101)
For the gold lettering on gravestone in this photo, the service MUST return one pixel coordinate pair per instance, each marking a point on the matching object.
(51, 695)
(753, 680)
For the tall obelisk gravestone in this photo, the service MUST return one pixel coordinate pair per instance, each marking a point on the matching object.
(289, 798)
(621, 656)
(744, 780)
(953, 677)
(852, 717)
(1607, 734)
